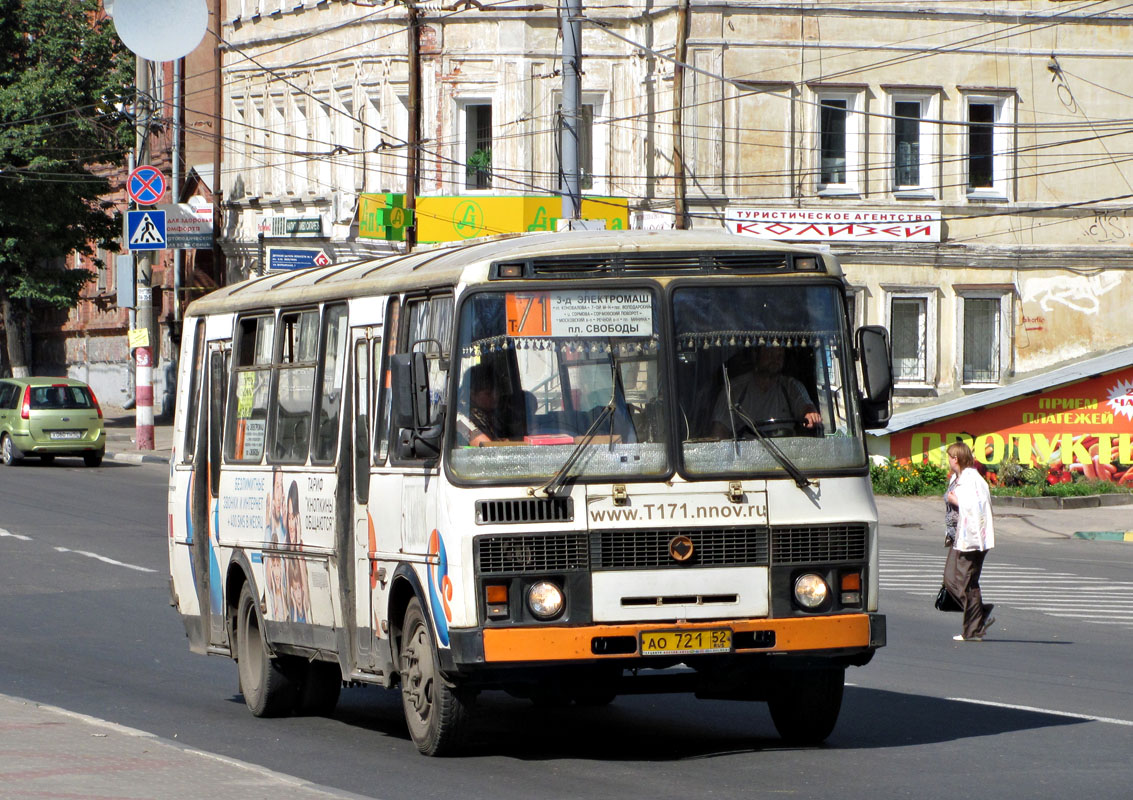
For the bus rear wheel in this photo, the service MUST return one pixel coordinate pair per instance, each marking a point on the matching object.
(806, 704)
(436, 713)
(268, 689)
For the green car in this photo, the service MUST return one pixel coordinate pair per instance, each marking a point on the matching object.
(49, 417)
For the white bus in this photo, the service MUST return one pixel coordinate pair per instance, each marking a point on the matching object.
(536, 464)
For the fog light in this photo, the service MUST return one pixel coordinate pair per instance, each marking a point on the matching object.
(545, 599)
(811, 590)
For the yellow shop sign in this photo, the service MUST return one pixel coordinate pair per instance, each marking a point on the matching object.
(451, 219)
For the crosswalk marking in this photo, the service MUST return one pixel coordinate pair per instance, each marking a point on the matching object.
(1059, 594)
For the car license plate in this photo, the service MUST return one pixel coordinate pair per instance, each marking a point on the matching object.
(66, 434)
(679, 643)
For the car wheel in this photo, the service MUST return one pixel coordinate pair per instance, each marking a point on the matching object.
(265, 682)
(9, 454)
(92, 459)
(436, 713)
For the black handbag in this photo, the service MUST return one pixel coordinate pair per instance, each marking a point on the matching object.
(946, 602)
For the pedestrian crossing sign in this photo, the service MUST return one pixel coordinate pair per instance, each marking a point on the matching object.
(145, 230)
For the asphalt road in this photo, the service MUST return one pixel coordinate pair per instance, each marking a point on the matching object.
(1044, 708)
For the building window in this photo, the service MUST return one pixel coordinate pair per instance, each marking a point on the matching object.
(988, 145)
(912, 330)
(478, 146)
(907, 143)
(838, 143)
(983, 336)
(585, 145)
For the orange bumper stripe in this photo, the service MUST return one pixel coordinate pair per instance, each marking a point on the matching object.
(568, 644)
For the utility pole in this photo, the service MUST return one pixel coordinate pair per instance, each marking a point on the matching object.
(413, 160)
(570, 12)
(679, 190)
(143, 356)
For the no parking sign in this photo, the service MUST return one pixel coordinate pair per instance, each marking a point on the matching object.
(146, 185)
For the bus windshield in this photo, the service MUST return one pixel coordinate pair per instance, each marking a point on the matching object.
(547, 376)
(759, 369)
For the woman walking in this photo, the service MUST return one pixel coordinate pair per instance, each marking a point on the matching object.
(970, 534)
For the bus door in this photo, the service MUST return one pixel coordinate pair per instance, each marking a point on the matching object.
(365, 346)
(404, 498)
(188, 505)
(206, 494)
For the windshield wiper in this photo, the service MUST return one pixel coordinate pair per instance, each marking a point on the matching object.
(801, 480)
(550, 487)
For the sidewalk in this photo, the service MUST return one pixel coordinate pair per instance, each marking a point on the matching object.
(49, 752)
(121, 445)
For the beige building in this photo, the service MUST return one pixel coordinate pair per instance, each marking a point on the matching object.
(969, 161)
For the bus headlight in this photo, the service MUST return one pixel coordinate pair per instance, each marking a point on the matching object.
(545, 599)
(811, 590)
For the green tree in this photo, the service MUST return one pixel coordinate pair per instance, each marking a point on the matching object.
(63, 76)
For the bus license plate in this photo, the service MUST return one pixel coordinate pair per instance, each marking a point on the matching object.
(679, 643)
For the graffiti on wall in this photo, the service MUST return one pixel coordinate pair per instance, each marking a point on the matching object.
(1082, 427)
(1082, 294)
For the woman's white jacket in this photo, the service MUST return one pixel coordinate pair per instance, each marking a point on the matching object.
(975, 530)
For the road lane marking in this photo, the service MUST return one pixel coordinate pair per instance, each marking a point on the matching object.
(104, 559)
(1052, 712)
(21, 537)
(1053, 593)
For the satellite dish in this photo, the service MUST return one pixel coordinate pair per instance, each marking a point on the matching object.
(161, 30)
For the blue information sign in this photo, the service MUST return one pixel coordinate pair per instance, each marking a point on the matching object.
(145, 230)
(295, 258)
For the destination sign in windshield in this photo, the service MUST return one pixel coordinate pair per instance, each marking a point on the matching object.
(580, 312)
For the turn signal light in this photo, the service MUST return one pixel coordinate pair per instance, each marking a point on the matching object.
(852, 582)
(495, 596)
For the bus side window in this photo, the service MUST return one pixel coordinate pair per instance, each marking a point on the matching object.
(294, 386)
(248, 402)
(331, 383)
(382, 371)
(196, 373)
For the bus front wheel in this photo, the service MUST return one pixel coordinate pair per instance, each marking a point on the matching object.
(436, 713)
(806, 704)
(268, 689)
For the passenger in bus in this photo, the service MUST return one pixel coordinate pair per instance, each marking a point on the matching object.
(485, 420)
(763, 393)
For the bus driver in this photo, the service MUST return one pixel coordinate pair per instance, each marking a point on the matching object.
(764, 393)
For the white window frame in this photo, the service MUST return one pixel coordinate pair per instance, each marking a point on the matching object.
(930, 298)
(277, 145)
(857, 297)
(1002, 342)
(599, 129)
(1002, 147)
(320, 176)
(928, 135)
(300, 142)
(461, 156)
(855, 141)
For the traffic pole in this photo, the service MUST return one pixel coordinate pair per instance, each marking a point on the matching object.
(143, 355)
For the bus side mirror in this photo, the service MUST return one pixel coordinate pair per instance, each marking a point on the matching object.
(410, 391)
(418, 435)
(877, 375)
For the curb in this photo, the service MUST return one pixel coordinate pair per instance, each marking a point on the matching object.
(137, 458)
(1106, 536)
(1056, 503)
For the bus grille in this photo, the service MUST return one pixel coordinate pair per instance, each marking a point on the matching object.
(499, 555)
(527, 509)
(649, 549)
(601, 265)
(813, 544)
